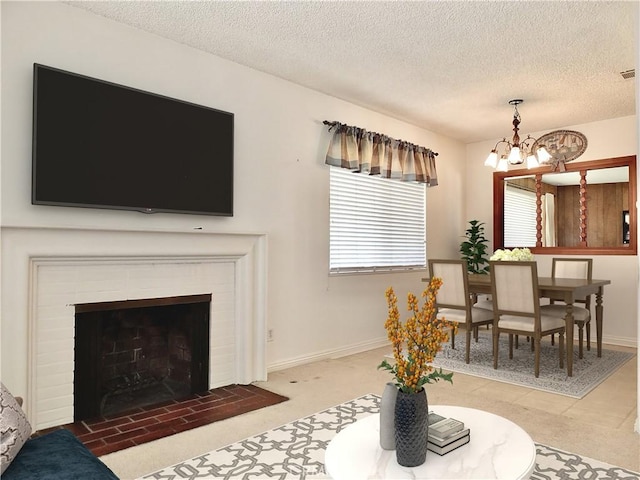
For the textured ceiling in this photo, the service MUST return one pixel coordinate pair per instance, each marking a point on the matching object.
(449, 67)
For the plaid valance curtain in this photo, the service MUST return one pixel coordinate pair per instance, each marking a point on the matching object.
(369, 152)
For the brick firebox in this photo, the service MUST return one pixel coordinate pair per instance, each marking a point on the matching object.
(136, 353)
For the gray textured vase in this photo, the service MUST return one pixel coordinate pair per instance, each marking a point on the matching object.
(387, 417)
(412, 428)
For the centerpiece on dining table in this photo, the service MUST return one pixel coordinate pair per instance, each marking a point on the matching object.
(422, 335)
(517, 254)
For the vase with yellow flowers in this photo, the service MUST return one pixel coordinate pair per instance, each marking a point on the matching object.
(415, 345)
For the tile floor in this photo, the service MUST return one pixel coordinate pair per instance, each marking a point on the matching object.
(599, 426)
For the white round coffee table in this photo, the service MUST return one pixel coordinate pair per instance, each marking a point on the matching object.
(498, 448)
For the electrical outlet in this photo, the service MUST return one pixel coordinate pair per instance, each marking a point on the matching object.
(270, 335)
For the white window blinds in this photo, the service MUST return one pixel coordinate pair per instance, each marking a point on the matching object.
(375, 223)
(519, 217)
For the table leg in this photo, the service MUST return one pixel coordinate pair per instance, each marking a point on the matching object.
(599, 321)
(569, 336)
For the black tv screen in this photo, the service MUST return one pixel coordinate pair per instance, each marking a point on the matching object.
(102, 145)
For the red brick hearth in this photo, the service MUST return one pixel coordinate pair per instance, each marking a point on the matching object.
(109, 434)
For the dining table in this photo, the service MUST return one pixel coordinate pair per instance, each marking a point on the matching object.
(567, 290)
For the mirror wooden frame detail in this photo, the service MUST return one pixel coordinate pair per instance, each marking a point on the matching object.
(582, 168)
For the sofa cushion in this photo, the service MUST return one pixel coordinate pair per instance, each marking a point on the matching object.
(57, 455)
(14, 428)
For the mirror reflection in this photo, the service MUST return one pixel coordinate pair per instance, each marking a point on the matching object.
(584, 208)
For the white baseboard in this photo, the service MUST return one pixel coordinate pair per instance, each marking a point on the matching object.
(363, 347)
(328, 354)
(612, 340)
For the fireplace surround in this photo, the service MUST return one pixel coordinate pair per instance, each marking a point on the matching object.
(50, 271)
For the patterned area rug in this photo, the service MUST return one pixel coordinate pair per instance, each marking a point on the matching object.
(588, 372)
(295, 451)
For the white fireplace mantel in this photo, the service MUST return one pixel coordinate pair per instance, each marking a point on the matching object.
(45, 272)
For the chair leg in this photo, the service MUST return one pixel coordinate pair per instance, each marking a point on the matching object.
(468, 345)
(453, 340)
(532, 346)
(561, 348)
(537, 356)
(553, 339)
(496, 338)
(510, 346)
(589, 335)
(517, 342)
(580, 338)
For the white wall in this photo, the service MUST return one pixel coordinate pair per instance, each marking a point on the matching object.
(281, 182)
(606, 139)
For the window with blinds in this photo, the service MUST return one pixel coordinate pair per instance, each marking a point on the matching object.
(376, 224)
(519, 217)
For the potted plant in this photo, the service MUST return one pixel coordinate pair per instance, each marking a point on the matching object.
(415, 344)
(474, 248)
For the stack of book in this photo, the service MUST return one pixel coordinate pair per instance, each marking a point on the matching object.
(446, 434)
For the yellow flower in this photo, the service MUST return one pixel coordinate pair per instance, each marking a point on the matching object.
(422, 335)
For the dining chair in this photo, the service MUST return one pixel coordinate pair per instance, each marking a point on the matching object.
(516, 309)
(453, 300)
(485, 302)
(573, 268)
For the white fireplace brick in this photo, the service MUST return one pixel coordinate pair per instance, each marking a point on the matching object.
(52, 416)
(61, 286)
(56, 374)
(55, 351)
(59, 310)
(51, 277)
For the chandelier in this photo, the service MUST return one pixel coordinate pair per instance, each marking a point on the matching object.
(516, 152)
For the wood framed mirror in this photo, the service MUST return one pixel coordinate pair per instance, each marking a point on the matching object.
(589, 209)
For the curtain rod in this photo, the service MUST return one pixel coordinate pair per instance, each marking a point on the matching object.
(359, 130)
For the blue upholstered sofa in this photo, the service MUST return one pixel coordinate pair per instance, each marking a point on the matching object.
(57, 455)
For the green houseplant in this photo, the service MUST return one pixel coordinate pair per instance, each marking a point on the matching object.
(474, 248)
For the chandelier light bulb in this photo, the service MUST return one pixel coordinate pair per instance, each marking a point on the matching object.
(503, 164)
(514, 156)
(492, 159)
(532, 162)
(543, 155)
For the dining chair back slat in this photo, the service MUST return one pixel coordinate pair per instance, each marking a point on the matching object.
(571, 267)
(520, 299)
(453, 300)
(454, 291)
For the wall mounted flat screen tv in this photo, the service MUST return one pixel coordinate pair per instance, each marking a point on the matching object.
(101, 145)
